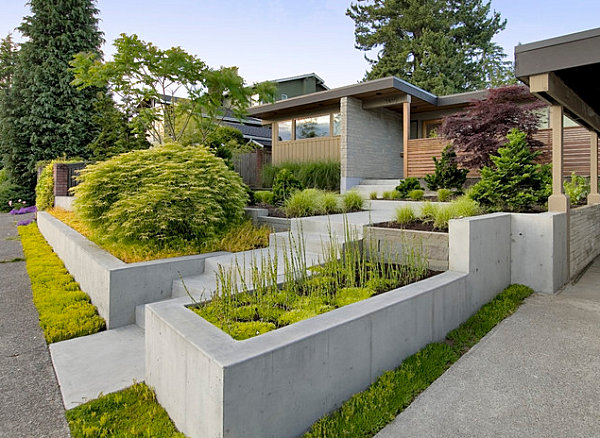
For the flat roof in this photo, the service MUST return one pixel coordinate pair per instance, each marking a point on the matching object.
(376, 89)
(307, 75)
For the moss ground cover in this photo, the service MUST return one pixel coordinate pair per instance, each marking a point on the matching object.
(132, 412)
(365, 413)
(65, 311)
(242, 237)
(347, 275)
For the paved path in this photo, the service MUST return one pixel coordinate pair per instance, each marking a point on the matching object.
(30, 401)
(535, 375)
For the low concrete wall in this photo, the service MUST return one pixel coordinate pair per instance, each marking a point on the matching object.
(279, 383)
(260, 216)
(390, 241)
(584, 237)
(64, 202)
(115, 287)
(539, 251)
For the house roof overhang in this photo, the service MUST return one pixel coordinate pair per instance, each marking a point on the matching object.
(389, 92)
(565, 71)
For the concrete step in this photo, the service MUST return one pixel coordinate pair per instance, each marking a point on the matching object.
(366, 190)
(380, 182)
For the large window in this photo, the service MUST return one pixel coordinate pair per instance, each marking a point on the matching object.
(311, 127)
(337, 123)
(285, 130)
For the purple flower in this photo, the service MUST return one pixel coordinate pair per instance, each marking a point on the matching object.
(24, 210)
(25, 222)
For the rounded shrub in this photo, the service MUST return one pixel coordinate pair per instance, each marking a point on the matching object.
(263, 197)
(352, 201)
(161, 196)
(444, 195)
(416, 195)
(284, 185)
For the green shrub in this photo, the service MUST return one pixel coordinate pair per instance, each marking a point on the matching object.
(302, 203)
(416, 195)
(405, 215)
(373, 195)
(367, 412)
(443, 195)
(428, 211)
(323, 175)
(577, 189)
(406, 185)
(284, 185)
(131, 412)
(65, 311)
(330, 203)
(352, 201)
(165, 196)
(386, 195)
(515, 182)
(461, 207)
(10, 192)
(264, 197)
(447, 175)
(44, 189)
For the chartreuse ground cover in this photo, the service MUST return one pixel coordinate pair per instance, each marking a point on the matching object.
(367, 412)
(65, 311)
(132, 412)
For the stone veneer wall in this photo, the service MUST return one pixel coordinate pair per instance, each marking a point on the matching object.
(371, 143)
(584, 237)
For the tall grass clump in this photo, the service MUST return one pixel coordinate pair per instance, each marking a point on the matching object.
(352, 201)
(443, 195)
(323, 175)
(405, 215)
(165, 196)
(309, 202)
(249, 301)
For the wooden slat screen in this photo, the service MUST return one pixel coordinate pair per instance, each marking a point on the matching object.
(576, 152)
(307, 150)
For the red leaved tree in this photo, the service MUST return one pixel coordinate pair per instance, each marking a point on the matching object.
(478, 132)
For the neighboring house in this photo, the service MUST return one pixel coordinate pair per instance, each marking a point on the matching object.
(298, 86)
(384, 129)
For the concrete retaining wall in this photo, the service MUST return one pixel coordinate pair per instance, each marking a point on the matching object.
(390, 241)
(279, 383)
(584, 237)
(64, 202)
(260, 216)
(115, 287)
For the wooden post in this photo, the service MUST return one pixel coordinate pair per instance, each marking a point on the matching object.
(558, 201)
(405, 136)
(593, 197)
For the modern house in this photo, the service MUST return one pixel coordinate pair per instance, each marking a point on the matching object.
(299, 85)
(382, 130)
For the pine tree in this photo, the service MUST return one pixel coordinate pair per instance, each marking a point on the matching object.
(44, 116)
(442, 46)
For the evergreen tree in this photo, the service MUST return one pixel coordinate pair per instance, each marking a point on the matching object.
(442, 46)
(44, 116)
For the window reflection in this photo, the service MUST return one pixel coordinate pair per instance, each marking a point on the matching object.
(337, 124)
(311, 127)
(285, 130)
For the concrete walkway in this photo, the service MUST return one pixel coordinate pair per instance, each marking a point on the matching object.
(30, 401)
(537, 374)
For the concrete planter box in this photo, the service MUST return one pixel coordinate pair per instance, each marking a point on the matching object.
(386, 241)
(279, 383)
(260, 216)
(115, 287)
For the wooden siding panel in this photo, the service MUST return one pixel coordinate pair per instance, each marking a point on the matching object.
(576, 152)
(307, 150)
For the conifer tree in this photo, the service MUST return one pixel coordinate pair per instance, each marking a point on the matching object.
(442, 46)
(44, 116)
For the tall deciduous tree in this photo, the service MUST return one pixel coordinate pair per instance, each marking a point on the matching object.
(442, 46)
(478, 132)
(146, 80)
(46, 117)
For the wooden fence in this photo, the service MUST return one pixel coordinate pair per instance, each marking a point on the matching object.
(307, 150)
(576, 153)
(249, 166)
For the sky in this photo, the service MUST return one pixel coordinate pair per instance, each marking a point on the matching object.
(271, 39)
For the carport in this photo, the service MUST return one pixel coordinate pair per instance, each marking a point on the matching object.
(565, 73)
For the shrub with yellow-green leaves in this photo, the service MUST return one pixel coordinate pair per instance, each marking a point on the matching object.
(65, 311)
(163, 196)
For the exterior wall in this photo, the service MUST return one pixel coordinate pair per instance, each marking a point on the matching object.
(60, 173)
(116, 288)
(307, 150)
(371, 143)
(584, 237)
(420, 153)
(64, 202)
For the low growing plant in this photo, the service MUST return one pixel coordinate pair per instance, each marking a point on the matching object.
(307, 202)
(387, 194)
(577, 189)
(406, 185)
(352, 201)
(443, 195)
(264, 197)
(373, 196)
(65, 311)
(405, 215)
(416, 195)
